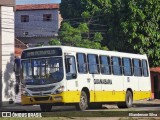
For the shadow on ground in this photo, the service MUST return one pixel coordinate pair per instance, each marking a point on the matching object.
(146, 105)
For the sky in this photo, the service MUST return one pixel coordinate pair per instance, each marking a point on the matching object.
(20, 2)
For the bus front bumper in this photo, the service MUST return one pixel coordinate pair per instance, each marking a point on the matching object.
(64, 97)
(32, 100)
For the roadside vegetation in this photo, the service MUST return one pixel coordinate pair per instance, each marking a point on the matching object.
(119, 25)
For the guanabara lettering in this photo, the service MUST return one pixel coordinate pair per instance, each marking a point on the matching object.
(102, 81)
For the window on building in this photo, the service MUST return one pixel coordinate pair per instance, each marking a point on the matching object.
(93, 64)
(24, 18)
(81, 61)
(47, 17)
(116, 65)
(145, 68)
(105, 65)
(127, 66)
(137, 67)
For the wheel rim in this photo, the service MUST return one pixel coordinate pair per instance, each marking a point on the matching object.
(129, 99)
(83, 101)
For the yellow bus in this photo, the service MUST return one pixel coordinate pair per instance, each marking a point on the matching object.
(87, 78)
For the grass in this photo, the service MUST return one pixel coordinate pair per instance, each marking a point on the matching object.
(78, 118)
(45, 118)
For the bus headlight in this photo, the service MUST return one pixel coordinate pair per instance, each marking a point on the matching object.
(59, 90)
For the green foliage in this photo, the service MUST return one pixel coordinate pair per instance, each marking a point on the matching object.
(85, 15)
(68, 35)
(72, 8)
(83, 28)
(98, 37)
(129, 25)
(141, 28)
(72, 36)
(54, 42)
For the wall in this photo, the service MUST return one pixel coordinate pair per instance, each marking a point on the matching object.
(7, 52)
(33, 41)
(36, 26)
(7, 78)
(7, 2)
(152, 82)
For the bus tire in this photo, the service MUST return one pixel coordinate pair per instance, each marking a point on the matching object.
(83, 104)
(46, 108)
(128, 101)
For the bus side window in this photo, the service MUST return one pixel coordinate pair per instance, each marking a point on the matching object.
(127, 69)
(137, 67)
(93, 64)
(82, 63)
(144, 68)
(116, 66)
(105, 65)
(70, 67)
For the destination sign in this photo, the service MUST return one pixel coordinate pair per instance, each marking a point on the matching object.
(44, 52)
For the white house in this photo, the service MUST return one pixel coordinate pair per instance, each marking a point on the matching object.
(37, 23)
(7, 78)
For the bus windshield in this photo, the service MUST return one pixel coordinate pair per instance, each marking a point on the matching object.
(42, 71)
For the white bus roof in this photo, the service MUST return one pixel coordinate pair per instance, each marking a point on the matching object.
(93, 51)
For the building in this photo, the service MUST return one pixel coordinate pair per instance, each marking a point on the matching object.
(19, 47)
(37, 23)
(155, 82)
(7, 78)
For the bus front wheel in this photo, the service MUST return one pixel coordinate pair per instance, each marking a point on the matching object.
(83, 104)
(46, 108)
(128, 101)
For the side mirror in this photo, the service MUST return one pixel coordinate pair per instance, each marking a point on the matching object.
(15, 68)
(17, 65)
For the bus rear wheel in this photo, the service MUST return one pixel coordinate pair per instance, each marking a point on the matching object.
(83, 104)
(128, 101)
(46, 108)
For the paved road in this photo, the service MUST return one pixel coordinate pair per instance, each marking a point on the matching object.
(137, 106)
(106, 113)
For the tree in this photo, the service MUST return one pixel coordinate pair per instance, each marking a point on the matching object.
(141, 29)
(54, 42)
(128, 25)
(72, 36)
(70, 9)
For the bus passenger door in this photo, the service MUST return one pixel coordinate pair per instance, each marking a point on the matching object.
(130, 81)
(72, 94)
(83, 80)
(94, 78)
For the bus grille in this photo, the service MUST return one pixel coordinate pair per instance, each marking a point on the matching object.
(41, 88)
(41, 98)
(38, 94)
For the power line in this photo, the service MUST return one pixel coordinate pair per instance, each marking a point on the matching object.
(42, 29)
(41, 16)
(64, 20)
